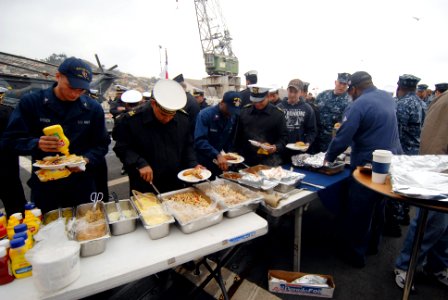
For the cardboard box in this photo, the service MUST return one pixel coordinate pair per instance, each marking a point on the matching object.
(299, 289)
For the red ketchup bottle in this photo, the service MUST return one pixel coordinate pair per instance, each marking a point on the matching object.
(5, 267)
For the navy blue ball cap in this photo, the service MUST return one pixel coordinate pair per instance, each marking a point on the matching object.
(422, 87)
(233, 101)
(441, 87)
(78, 73)
(344, 77)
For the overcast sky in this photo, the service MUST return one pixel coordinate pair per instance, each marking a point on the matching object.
(283, 39)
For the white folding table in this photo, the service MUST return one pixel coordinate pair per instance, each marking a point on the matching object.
(134, 256)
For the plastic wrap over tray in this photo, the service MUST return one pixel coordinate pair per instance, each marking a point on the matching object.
(239, 207)
(420, 176)
(196, 223)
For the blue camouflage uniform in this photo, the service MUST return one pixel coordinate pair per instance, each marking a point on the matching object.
(331, 108)
(410, 115)
(214, 132)
(83, 124)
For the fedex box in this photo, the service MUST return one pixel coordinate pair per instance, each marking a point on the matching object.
(298, 288)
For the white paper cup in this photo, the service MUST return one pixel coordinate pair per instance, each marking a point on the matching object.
(380, 165)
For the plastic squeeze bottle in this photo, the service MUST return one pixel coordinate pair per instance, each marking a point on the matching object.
(20, 267)
(57, 131)
(3, 220)
(5, 267)
(12, 222)
(32, 222)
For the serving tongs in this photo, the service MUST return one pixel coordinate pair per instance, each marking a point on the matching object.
(159, 195)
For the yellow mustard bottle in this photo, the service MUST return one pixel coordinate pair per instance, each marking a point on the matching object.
(57, 131)
(32, 222)
(12, 222)
(20, 267)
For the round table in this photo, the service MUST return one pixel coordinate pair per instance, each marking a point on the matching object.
(365, 178)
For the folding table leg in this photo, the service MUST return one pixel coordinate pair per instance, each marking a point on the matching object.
(297, 237)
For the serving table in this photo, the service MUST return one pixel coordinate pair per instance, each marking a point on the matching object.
(134, 256)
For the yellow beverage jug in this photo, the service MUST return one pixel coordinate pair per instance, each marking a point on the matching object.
(57, 131)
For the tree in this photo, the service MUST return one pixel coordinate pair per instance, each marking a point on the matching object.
(55, 59)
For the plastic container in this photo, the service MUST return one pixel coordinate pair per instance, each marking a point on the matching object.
(24, 235)
(3, 220)
(5, 243)
(32, 222)
(38, 214)
(20, 267)
(3, 232)
(12, 222)
(18, 216)
(30, 206)
(56, 130)
(6, 275)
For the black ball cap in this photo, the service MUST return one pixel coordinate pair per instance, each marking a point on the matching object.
(360, 77)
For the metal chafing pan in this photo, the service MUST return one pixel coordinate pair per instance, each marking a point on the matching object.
(155, 231)
(125, 225)
(97, 245)
(200, 222)
(249, 205)
(53, 215)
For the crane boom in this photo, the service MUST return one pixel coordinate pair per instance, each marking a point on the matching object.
(215, 39)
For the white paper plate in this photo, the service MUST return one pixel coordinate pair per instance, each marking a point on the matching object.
(60, 166)
(239, 159)
(190, 178)
(258, 144)
(293, 146)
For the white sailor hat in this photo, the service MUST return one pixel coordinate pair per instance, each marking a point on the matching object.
(120, 88)
(169, 95)
(251, 72)
(3, 90)
(146, 94)
(258, 92)
(131, 96)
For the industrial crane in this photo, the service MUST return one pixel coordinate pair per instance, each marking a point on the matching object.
(215, 39)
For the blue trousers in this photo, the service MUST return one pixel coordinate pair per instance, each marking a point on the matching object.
(361, 220)
(434, 245)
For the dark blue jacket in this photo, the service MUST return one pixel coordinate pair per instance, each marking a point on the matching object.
(214, 132)
(369, 123)
(83, 124)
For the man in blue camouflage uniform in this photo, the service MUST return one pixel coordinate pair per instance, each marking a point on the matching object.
(215, 131)
(331, 105)
(410, 114)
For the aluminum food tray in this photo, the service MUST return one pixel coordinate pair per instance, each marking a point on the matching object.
(56, 212)
(94, 246)
(291, 201)
(157, 231)
(199, 223)
(250, 205)
(124, 226)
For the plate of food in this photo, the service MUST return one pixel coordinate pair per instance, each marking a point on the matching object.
(233, 158)
(298, 146)
(59, 162)
(194, 175)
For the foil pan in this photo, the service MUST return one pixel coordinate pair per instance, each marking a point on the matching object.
(233, 210)
(420, 176)
(198, 223)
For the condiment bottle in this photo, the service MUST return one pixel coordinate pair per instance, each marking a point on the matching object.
(20, 267)
(12, 222)
(38, 214)
(3, 220)
(32, 222)
(24, 235)
(5, 267)
(5, 243)
(18, 216)
(56, 130)
(3, 232)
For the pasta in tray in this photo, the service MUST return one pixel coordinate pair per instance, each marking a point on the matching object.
(189, 206)
(229, 195)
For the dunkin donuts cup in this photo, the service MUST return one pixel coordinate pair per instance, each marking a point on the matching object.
(380, 165)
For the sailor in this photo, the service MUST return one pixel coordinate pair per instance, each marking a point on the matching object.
(117, 106)
(300, 117)
(410, 113)
(200, 98)
(440, 88)
(421, 91)
(82, 119)
(369, 123)
(274, 97)
(251, 78)
(332, 104)
(192, 107)
(146, 97)
(262, 122)
(11, 194)
(154, 143)
(215, 132)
